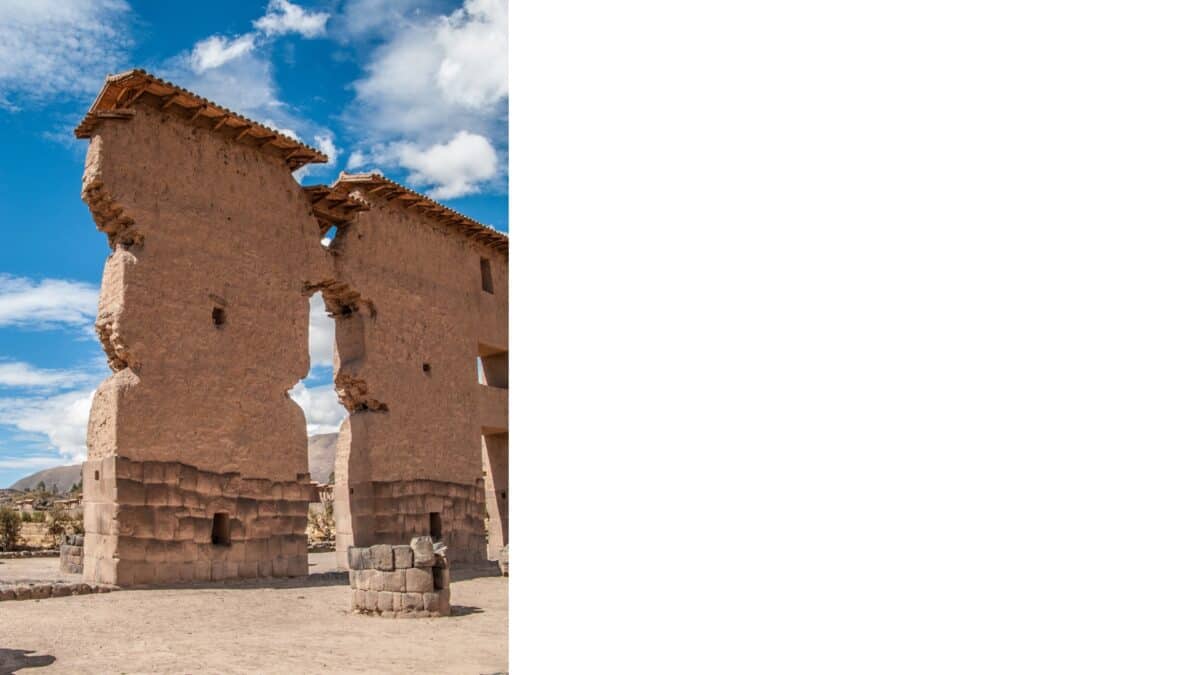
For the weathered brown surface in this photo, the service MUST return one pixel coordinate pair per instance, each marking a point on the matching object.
(408, 341)
(203, 317)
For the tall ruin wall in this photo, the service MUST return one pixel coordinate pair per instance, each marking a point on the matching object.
(197, 457)
(204, 323)
(407, 369)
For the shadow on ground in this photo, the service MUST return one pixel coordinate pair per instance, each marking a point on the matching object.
(13, 660)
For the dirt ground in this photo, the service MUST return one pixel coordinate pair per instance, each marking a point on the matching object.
(297, 626)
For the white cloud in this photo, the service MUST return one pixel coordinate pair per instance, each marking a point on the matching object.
(20, 374)
(320, 333)
(216, 51)
(321, 408)
(453, 169)
(47, 303)
(59, 47)
(30, 462)
(283, 17)
(474, 68)
(325, 144)
(62, 418)
(438, 76)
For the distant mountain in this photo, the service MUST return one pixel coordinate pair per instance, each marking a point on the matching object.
(322, 449)
(57, 478)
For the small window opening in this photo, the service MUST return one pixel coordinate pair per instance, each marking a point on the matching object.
(220, 531)
(485, 271)
(218, 316)
(425, 368)
(330, 235)
(97, 475)
(435, 526)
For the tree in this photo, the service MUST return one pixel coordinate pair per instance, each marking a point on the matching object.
(10, 529)
(41, 486)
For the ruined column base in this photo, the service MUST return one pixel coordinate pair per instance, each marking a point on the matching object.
(400, 581)
(153, 523)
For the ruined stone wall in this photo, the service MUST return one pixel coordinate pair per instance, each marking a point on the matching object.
(407, 348)
(203, 316)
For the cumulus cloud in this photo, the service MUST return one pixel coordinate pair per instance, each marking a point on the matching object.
(216, 51)
(283, 17)
(453, 169)
(238, 74)
(63, 47)
(48, 303)
(320, 333)
(20, 374)
(42, 462)
(437, 76)
(61, 418)
(321, 408)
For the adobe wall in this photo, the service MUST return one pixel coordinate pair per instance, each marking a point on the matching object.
(406, 368)
(203, 316)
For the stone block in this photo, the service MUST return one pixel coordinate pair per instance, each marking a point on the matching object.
(298, 566)
(22, 592)
(129, 469)
(394, 581)
(411, 602)
(381, 558)
(385, 601)
(360, 599)
(152, 472)
(418, 580)
(7, 593)
(441, 578)
(130, 492)
(39, 591)
(375, 579)
(403, 556)
(356, 558)
(422, 548)
(202, 570)
(372, 601)
(187, 478)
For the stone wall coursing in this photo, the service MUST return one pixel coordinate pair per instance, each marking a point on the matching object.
(392, 511)
(49, 589)
(153, 523)
(70, 558)
(406, 581)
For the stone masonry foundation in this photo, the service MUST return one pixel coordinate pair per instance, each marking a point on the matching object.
(167, 522)
(410, 581)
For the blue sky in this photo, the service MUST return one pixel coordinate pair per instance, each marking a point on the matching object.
(418, 90)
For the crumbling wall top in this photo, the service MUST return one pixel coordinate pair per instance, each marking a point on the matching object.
(121, 91)
(336, 205)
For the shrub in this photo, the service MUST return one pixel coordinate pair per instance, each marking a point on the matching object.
(321, 523)
(10, 529)
(63, 522)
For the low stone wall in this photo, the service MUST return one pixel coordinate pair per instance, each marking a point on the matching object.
(6, 555)
(48, 589)
(70, 555)
(400, 581)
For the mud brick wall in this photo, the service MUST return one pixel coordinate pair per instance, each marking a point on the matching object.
(70, 555)
(203, 316)
(167, 522)
(399, 581)
(413, 317)
(197, 457)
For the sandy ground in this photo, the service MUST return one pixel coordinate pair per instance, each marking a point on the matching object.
(298, 626)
